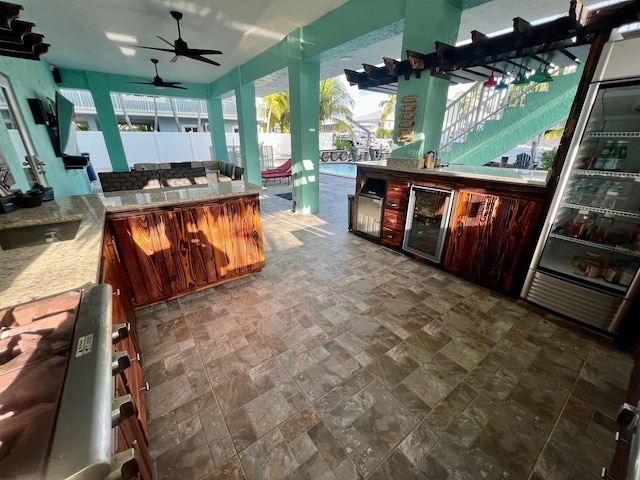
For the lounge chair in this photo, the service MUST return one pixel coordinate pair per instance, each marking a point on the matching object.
(283, 171)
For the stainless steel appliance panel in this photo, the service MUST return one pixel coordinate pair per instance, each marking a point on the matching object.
(574, 301)
(369, 215)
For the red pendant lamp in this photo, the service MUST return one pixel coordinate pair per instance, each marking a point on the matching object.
(491, 82)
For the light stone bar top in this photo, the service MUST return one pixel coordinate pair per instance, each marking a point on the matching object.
(161, 197)
(40, 271)
(506, 175)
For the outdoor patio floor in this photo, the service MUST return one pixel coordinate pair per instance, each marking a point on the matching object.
(345, 360)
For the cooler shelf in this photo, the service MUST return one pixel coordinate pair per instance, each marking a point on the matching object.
(568, 270)
(601, 246)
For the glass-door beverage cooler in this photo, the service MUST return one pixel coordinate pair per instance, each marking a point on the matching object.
(587, 260)
(427, 220)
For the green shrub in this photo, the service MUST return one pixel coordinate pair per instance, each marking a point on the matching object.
(342, 144)
(546, 159)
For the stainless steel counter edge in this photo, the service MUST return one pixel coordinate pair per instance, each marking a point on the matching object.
(40, 271)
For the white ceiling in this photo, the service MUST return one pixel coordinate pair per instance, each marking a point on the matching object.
(79, 32)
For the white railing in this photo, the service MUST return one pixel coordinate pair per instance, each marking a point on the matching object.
(469, 112)
(83, 101)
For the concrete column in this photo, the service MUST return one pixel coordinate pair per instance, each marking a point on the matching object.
(304, 100)
(216, 128)
(248, 129)
(423, 26)
(99, 87)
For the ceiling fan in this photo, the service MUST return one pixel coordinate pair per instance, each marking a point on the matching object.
(158, 82)
(180, 47)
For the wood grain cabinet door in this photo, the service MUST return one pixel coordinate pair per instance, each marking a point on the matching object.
(487, 238)
(140, 244)
(178, 235)
(234, 234)
(247, 235)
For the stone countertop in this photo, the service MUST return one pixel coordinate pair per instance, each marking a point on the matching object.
(504, 175)
(40, 271)
(161, 197)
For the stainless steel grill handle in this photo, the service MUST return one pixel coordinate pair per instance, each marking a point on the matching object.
(121, 409)
(124, 466)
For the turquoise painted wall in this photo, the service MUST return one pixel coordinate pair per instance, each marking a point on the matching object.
(30, 79)
(440, 22)
(304, 94)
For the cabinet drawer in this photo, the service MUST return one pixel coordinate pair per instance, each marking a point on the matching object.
(391, 237)
(393, 220)
(397, 196)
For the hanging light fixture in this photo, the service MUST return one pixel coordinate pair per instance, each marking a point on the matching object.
(503, 85)
(542, 75)
(521, 78)
(491, 82)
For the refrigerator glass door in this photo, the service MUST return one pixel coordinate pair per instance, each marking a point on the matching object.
(594, 239)
(427, 220)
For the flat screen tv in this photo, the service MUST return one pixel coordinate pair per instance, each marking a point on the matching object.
(64, 136)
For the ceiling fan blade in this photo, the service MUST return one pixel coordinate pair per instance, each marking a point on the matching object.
(174, 86)
(203, 59)
(154, 48)
(166, 41)
(172, 83)
(197, 51)
(143, 83)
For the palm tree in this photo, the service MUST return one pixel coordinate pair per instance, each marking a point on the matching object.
(335, 103)
(278, 111)
(388, 108)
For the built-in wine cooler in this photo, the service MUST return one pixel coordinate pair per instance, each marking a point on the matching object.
(427, 219)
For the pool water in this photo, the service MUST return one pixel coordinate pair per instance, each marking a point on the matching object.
(339, 169)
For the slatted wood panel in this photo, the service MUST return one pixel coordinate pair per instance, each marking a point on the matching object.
(172, 251)
(140, 245)
(252, 234)
(491, 238)
(205, 223)
(123, 312)
(130, 435)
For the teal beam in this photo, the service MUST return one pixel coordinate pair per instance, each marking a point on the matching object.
(121, 84)
(423, 26)
(98, 84)
(304, 98)
(351, 20)
(248, 129)
(216, 128)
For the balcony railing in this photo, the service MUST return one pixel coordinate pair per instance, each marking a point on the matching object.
(83, 100)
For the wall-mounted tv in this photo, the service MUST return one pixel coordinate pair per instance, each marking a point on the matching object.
(66, 127)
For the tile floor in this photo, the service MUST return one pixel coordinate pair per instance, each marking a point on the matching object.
(343, 360)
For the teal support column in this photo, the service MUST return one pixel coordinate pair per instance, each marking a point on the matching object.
(99, 87)
(246, 105)
(423, 26)
(304, 100)
(216, 128)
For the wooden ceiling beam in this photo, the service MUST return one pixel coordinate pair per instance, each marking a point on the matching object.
(527, 45)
